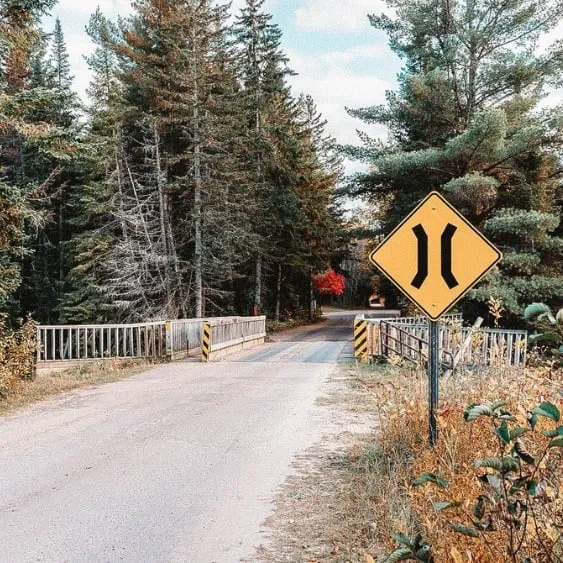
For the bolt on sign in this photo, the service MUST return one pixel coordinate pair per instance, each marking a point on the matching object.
(435, 256)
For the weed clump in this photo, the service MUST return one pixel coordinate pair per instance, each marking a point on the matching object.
(17, 356)
(492, 488)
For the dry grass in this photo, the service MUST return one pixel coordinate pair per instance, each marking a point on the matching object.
(25, 392)
(400, 453)
(353, 491)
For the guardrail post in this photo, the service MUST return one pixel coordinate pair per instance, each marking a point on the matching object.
(206, 343)
(168, 337)
(360, 338)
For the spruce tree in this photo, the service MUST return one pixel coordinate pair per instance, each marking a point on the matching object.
(465, 121)
(45, 271)
(92, 199)
(181, 208)
(262, 71)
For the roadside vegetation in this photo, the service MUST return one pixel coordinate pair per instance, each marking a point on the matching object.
(491, 491)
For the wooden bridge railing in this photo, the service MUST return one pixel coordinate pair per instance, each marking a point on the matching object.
(88, 342)
(408, 337)
(236, 332)
(161, 339)
(183, 337)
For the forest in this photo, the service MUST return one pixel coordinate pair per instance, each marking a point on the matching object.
(192, 183)
(473, 118)
(195, 182)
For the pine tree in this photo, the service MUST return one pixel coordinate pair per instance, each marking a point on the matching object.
(56, 158)
(32, 148)
(92, 200)
(262, 71)
(464, 122)
(181, 210)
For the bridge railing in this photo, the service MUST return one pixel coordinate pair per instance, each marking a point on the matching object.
(61, 345)
(90, 342)
(183, 337)
(483, 346)
(409, 342)
(235, 332)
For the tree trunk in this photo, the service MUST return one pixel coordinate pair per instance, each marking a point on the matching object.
(172, 265)
(162, 215)
(312, 303)
(258, 286)
(278, 292)
(198, 251)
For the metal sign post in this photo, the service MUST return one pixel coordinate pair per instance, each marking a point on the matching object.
(433, 360)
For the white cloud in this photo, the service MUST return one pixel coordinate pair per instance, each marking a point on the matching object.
(329, 79)
(337, 15)
(85, 7)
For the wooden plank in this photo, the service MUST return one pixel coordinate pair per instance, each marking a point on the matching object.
(466, 344)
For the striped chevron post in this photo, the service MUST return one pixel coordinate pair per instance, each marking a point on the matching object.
(360, 338)
(206, 343)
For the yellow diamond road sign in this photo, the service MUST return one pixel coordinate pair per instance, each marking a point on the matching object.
(435, 256)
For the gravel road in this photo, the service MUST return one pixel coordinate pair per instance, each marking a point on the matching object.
(178, 464)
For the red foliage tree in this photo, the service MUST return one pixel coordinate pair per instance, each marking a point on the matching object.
(329, 283)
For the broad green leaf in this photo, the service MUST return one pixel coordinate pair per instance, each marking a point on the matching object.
(518, 431)
(531, 487)
(402, 538)
(401, 554)
(495, 483)
(472, 412)
(523, 453)
(424, 553)
(544, 337)
(549, 410)
(460, 528)
(532, 419)
(559, 317)
(504, 464)
(446, 504)
(553, 432)
(503, 432)
(534, 310)
(556, 442)
(418, 541)
(429, 477)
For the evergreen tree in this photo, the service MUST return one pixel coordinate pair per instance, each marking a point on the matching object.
(92, 200)
(464, 122)
(33, 150)
(46, 268)
(262, 71)
(181, 208)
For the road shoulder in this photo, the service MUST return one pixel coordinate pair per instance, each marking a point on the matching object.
(312, 520)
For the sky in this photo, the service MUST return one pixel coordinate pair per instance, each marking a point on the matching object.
(340, 60)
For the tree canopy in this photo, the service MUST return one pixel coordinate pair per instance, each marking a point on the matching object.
(467, 121)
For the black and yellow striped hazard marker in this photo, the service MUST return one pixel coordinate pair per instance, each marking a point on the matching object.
(360, 338)
(206, 343)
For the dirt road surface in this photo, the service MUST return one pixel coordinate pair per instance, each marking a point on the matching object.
(178, 464)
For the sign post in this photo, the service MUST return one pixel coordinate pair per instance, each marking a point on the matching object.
(434, 354)
(434, 257)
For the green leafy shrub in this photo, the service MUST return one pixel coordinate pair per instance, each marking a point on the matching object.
(513, 510)
(550, 326)
(17, 356)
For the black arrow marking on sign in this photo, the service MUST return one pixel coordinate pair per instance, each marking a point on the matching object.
(422, 272)
(446, 250)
